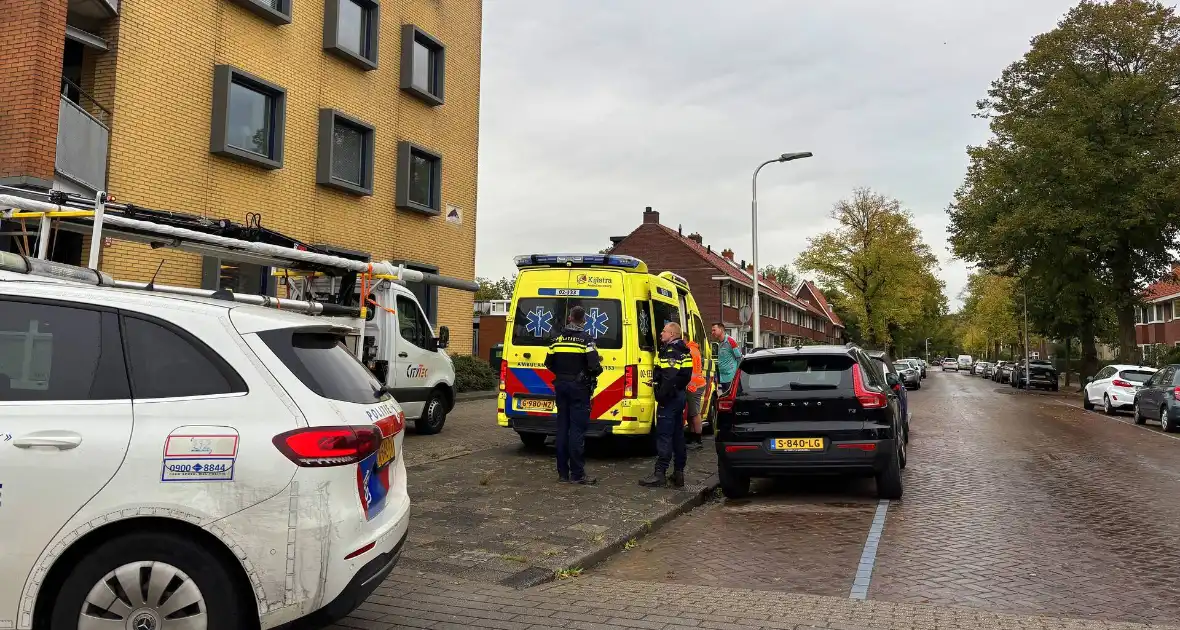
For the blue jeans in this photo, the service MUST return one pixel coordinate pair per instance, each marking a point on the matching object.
(670, 446)
(573, 415)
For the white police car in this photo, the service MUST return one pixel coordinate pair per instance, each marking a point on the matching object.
(174, 462)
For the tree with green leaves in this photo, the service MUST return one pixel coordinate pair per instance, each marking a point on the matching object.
(1077, 191)
(876, 258)
(782, 274)
(494, 289)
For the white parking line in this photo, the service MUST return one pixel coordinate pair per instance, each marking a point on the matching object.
(868, 557)
(1118, 419)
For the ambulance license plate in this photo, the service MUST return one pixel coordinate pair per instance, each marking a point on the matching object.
(547, 405)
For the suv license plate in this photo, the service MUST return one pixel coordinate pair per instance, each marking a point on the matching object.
(797, 444)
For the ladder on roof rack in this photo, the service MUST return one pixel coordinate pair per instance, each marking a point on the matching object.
(220, 238)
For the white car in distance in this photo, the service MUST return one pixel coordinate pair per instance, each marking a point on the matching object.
(1114, 386)
(187, 462)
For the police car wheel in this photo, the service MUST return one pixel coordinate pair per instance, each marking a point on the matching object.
(202, 592)
(434, 415)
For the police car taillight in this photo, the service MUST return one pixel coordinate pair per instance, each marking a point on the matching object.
(315, 447)
(629, 382)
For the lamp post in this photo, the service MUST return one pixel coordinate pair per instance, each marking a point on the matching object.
(757, 312)
(928, 351)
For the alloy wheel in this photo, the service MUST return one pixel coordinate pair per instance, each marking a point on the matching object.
(1106, 406)
(144, 596)
(1165, 421)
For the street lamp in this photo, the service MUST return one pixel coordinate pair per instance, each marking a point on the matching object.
(928, 350)
(786, 157)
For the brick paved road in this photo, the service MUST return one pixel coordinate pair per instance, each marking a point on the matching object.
(1014, 503)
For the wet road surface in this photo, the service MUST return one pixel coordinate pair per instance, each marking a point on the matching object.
(1014, 502)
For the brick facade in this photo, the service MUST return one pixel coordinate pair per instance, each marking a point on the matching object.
(1157, 322)
(665, 249)
(157, 80)
(33, 32)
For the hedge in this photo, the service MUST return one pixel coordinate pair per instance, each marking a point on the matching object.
(473, 374)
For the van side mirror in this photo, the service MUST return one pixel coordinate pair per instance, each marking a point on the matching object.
(444, 337)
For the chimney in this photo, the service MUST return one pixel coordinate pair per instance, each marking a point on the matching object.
(727, 253)
(709, 248)
(695, 236)
(680, 229)
(743, 265)
(650, 216)
(750, 269)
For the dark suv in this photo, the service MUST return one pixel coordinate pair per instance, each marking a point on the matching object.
(810, 410)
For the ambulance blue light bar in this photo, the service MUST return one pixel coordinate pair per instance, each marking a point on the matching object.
(571, 260)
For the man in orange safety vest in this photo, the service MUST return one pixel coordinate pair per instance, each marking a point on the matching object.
(696, 394)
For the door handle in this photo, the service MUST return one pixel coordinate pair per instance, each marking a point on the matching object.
(403, 354)
(61, 440)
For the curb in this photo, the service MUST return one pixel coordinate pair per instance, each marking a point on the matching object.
(535, 576)
(469, 396)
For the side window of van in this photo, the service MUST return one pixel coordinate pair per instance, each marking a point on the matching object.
(664, 313)
(698, 330)
(643, 326)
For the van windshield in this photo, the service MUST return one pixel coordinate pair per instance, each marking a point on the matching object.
(540, 319)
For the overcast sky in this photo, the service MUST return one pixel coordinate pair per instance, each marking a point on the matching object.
(593, 109)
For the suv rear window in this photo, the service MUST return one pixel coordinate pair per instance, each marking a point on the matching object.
(800, 372)
(321, 361)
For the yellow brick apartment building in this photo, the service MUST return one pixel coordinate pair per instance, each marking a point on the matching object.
(348, 124)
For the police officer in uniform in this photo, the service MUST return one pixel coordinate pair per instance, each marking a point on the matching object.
(576, 365)
(673, 371)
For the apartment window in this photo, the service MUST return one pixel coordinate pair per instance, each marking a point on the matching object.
(277, 12)
(350, 31)
(423, 65)
(419, 178)
(1166, 311)
(345, 159)
(249, 115)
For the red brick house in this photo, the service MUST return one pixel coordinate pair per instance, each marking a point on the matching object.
(1157, 322)
(722, 286)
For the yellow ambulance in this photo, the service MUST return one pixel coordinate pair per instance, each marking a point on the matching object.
(626, 307)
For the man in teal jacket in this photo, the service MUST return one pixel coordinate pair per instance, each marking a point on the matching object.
(728, 355)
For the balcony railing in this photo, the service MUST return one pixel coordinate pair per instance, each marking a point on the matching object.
(83, 137)
(492, 307)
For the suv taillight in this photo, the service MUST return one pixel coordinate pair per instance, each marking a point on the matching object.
(629, 389)
(316, 447)
(503, 373)
(725, 403)
(1176, 393)
(867, 398)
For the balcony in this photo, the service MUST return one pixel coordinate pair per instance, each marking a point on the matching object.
(83, 138)
(93, 9)
(492, 307)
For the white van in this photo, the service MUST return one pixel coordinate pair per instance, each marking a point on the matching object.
(965, 362)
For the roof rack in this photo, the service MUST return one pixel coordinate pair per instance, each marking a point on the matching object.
(221, 238)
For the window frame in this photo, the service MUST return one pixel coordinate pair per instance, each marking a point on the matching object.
(411, 34)
(332, 45)
(405, 151)
(328, 119)
(262, 9)
(223, 76)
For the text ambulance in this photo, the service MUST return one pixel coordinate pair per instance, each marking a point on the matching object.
(626, 307)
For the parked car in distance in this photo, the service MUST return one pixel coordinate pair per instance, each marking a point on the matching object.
(965, 362)
(950, 364)
(1114, 387)
(989, 370)
(1159, 399)
(978, 368)
(918, 363)
(1004, 375)
(911, 378)
(810, 409)
(1041, 374)
(997, 370)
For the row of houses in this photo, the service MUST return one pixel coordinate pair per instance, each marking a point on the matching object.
(721, 285)
(1157, 321)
